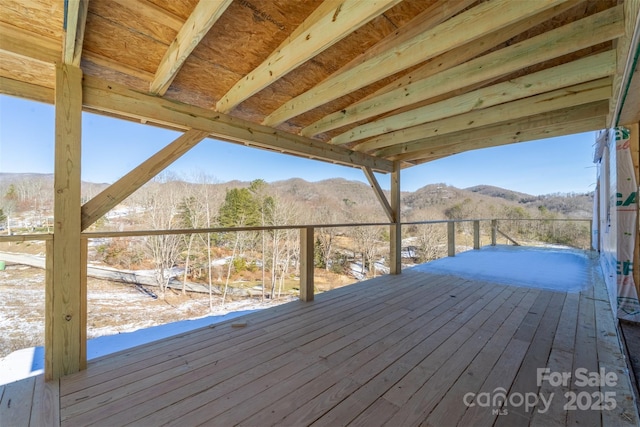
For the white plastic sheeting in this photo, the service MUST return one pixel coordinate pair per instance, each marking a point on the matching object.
(626, 210)
(607, 219)
(617, 195)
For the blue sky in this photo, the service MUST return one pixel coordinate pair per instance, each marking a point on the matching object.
(113, 147)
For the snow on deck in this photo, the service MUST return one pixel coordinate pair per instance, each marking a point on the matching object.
(552, 268)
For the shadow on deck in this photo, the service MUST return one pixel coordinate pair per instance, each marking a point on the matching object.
(416, 349)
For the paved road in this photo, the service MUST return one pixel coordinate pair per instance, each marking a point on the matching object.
(106, 273)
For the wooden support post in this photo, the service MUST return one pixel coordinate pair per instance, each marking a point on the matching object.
(395, 232)
(451, 237)
(63, 311)
(306, 263)
(494, 231)
(476, 234)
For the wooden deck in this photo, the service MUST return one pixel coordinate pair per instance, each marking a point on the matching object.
(397, 350)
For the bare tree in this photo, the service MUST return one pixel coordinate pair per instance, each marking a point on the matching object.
(162, 214)
(326, 236)
(431, 241)
(367, 241)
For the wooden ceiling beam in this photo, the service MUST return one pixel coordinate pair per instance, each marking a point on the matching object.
(151, 12)
(329, 24)
(572, 37)
(26, 90)
(628, 49)
(74, 25)
(585, 93)
(29, 44)
(631, 106)
(29, 70)
(552, 131)
(113, 195)
(473, 49)
(469, 25)
(204, 15)
(511, 130)
(111, 98)
(576, 72)
(433, 15)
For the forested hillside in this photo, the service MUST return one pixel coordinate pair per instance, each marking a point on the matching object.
(28, 199)
(264, 264)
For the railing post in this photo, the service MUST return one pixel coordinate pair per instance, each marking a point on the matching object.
(84, 258)
(451, 237)
(494, 231)
(306, 263)
(48, 309)
(476, 234)
(395, 232)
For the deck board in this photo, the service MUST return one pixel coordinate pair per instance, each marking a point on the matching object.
(449, 409)
(396, 350)
(585, 358)
(16, 403)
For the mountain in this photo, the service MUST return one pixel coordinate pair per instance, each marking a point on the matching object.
(491, 191)
(340, 200)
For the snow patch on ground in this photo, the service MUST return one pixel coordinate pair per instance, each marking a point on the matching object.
(558, 269)
(30, 361)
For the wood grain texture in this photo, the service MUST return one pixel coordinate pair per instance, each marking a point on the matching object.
(388, 351)
(65, 309)
(326, 26)
(578, 35)
(104, 96)
(203, 17)
(307, 260)
(580, 71)
(448, 35)
(557, 100)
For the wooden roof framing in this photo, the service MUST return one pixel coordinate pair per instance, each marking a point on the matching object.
(360, 83)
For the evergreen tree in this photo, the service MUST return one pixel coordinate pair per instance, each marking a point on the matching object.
(240, 208)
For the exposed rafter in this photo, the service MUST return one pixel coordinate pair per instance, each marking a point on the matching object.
(150, 11)
(581, 94)
(205, 14)
(628, 49)
(74, 25)
(583, 70)
(107, 97)
(470, 50)
(331, 22)
(631, 108)
(570, 38)
(539, 126)
(433, 15)
(560, 129)
(28, 44)
(470, 25)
